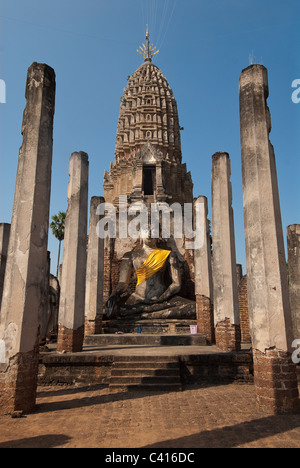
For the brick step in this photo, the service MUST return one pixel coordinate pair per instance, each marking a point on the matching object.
(168, 387)
(163, 372)
(146, 365)
(143, 380)
(145, 359)
(145, 372)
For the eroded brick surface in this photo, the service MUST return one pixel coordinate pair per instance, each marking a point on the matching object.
(209, 416)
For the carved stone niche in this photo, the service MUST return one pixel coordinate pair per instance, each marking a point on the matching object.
(148, 179)
(149, 154)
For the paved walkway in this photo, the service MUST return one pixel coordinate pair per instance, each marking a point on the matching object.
(150, 350)
(219, 416)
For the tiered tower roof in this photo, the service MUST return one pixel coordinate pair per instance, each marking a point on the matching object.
(148, 162)
(148, 113)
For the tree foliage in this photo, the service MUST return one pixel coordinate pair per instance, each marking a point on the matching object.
(58, 230)
(58, 225)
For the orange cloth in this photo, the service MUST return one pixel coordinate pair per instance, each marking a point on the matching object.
(152, 265)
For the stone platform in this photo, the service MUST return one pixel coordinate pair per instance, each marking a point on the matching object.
(144, 340)
(177, 313)
(155, 327)
(96, 364)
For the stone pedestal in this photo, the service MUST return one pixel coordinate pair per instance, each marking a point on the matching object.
(226, 305)
(268, 295)
(203, 274)
(94, 274)
(72, 296)
(26, 266)
(293, 242)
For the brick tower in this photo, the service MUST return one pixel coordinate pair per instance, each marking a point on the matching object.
(148, 156)
(148, 166)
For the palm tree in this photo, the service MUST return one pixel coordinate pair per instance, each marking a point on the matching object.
(58, 230)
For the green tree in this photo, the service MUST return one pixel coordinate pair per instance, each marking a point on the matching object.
(58, 230)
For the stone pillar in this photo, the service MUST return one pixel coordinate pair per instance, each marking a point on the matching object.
(107, 277)
(44, 319)
(239, 274)
(26, 266)
(293, 241)
(268, 295)
(94, 274)
(4, 240)
(137, 191)
(203, 275)
(160, 191)
(226, 304)
(72, 296)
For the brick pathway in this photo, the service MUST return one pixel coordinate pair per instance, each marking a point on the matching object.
(209, 416)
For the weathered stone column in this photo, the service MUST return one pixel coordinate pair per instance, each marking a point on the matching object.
(107, 277)
(4, 240)
(94, 274)
(72, 296)
(226, 304)
(203, 275)
(268, 295)
(27, 253)
(160, 191)
(239, 274)
(44, 319)
(293, 242)
(137, 190)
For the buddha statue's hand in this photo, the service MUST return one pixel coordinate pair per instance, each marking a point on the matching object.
(163, 297)
(154, 299)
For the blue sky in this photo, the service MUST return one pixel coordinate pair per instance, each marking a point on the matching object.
(204, 45)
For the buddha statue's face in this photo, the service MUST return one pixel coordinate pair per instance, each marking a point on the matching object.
(148, 240)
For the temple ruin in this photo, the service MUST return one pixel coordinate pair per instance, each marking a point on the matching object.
(146, 265)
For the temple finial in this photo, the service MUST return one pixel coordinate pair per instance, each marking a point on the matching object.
(147, 51)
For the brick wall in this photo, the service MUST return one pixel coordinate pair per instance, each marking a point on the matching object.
(275, 382)
(244, 313)
(188, 276)
(107, 273)
(18, 384)
(228, 336)
(93, 327)
(69, 340)
(205, 318)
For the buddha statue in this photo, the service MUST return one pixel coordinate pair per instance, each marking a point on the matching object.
(158, 278)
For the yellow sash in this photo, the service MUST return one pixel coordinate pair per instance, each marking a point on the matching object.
(152, 265)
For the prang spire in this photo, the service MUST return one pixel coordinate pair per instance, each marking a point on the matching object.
(147, 51)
